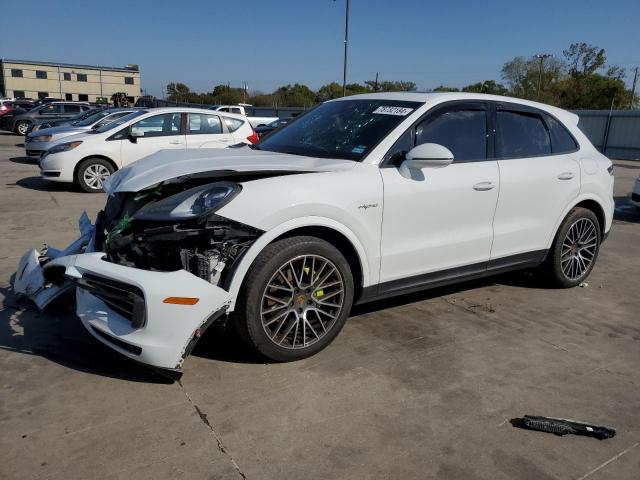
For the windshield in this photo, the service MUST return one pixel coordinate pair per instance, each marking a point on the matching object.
(91, 119)
(345, 129)
(120, 121)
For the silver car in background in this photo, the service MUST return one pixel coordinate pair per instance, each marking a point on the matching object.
(40, 140)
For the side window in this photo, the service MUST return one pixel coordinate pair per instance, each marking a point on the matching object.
(158, 125)
(223, 109)
(521, 134)
(233, 124)
(464, 132)
(236, 110)
(561, 139)
(51, 109)
(202, 124)
(72, 109)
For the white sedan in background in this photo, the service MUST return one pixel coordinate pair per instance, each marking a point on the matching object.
(40, 140)
(87, 159)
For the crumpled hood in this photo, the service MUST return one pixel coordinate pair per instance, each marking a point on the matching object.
(167, 164)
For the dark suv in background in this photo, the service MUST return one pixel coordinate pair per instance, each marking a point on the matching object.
(19, 122)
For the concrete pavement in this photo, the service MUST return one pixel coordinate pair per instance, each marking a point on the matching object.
(421, 386)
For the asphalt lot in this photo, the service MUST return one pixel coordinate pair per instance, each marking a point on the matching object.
(422, 386)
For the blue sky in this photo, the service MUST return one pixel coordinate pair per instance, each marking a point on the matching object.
(273, 42)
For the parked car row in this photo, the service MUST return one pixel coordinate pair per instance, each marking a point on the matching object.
(361, 198)
(19, 120)
(89, 151)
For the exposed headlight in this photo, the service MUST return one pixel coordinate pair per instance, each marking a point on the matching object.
(191, 203)
(42, 138)
(64, 147)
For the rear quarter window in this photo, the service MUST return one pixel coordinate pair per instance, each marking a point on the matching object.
(561, 139)
(233, 124)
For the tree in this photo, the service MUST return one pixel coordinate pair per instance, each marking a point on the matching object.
(584, 58)
(177, 92)
(295, 95)
(443, 88)
(391, 86)
(533, 78)
(328, 92)
(592, 91)
(488, 86)
(227, 95)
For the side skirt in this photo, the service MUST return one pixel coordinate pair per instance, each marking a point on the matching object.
(452, 275)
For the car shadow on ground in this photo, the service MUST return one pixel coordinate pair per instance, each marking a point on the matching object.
(625, 211)
(59, 336)
(25, 160)
(42, 185)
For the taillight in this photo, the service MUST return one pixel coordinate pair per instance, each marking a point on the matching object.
(253, 138)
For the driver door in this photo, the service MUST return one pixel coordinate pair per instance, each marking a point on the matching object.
(438, 222)
(158, 132)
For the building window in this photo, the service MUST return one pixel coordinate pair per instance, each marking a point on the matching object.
(43, 94)
(82, 77)
(68, 96)
(66, 76)
(18, 93)
(83, 97)
(128, 80)
(41, 74)
(16, 72)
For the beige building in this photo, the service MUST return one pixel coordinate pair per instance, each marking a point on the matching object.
(26, 78)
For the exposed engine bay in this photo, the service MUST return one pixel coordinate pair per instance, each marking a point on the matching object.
(207, 245)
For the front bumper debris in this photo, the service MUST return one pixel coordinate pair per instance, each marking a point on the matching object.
(30, 276)
(126, 308)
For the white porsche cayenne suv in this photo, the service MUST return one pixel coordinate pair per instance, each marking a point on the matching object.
(88, 158)
(358, 199)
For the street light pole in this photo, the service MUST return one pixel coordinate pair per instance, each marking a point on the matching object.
(346, 41)
(541, 57)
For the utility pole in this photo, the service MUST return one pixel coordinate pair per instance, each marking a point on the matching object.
(375, 85)
(541, 57)
(633, 88)
(346, 41)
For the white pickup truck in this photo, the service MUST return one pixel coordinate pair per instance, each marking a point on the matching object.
(254, 121)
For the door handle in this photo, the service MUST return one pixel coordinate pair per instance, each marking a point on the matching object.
(566, 176)
(482, 186)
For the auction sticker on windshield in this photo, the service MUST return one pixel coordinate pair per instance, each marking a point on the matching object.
(391, 110)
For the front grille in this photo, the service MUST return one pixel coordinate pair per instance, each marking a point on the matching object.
(127, 300)
(635, 197)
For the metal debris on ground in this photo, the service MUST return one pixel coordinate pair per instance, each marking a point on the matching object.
(563, 426)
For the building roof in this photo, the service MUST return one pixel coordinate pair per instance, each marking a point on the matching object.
(132, 68)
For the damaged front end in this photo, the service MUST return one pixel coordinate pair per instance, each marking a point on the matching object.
(154, 271)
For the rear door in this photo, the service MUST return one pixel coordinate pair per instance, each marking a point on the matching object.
(206, 130)
(158, 132)
(538, 179)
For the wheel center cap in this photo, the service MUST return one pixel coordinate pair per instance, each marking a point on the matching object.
(301, 299)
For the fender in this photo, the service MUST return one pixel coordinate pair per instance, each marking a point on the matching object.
(608, 214)
(283, 228)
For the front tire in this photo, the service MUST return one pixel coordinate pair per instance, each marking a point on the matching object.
(575, 249)
(21, 127)
(91, 173)
(295, 299)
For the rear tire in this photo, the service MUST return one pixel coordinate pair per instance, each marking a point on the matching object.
(574, 250)
(91, 173)
(295, 299)
(21, 127)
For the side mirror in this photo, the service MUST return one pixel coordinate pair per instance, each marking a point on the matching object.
(134, 135)
(427, 155)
